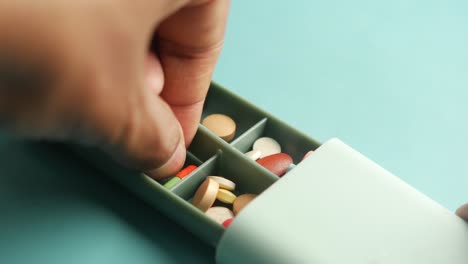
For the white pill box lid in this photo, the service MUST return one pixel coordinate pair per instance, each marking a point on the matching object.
(337, 206)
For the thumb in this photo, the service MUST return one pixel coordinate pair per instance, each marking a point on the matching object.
(152, 139)
(463, 211)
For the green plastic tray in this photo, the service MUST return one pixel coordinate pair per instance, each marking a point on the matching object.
(273, 228)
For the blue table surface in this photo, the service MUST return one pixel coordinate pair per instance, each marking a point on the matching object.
(389, 78)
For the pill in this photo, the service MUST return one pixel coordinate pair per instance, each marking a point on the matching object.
(222, 125)
(463, 212)
(254, 154)
(227, 222)
(186, 171)
(307, 154)
(276, 163)
(224, 183)
(241, 201)
(267, 146)
(225, 196)
(206, 195)
(173, 181)
(219, 214)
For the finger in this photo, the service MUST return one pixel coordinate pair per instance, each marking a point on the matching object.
(189, 43)
(153, 11)
(154, 74)
(151, 140)
(154, 138)
(138, 129)
(125, 117)
(463, 212)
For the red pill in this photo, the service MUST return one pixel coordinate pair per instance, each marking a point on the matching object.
(227, 222)
(276, 163)
(186, 171)
(307, 154)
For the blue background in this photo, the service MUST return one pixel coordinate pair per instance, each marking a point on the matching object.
(389, 78)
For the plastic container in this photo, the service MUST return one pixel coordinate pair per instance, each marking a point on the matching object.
(336, 206)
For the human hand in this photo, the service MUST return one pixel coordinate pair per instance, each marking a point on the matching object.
(463, 212)
(127, 76)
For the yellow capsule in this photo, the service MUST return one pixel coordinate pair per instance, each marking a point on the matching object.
(226, 196)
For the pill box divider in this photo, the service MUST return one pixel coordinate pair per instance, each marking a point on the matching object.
(244, 142)
(291, 141)
(189, 184)
(249, 177)
(230, 164)
(206, 144)
(189, 160)
(192, 160)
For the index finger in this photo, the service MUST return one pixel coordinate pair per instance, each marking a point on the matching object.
(189, 43)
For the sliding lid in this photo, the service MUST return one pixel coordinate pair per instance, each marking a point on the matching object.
(337, 206)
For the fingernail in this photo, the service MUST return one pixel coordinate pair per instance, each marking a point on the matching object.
(172, 166)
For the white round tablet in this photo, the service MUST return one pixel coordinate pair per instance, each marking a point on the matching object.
(267, 146)
(219, 214)
(223, 183)
(254, 154)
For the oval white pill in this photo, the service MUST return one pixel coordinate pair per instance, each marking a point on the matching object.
(267, 146)
(219, 214)
(224, 183)
(254, 154)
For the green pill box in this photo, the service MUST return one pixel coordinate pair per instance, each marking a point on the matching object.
(336, 206)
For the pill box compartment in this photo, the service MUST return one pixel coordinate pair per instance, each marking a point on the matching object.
(221, 101)
(292, 142)
(230, 165)
(252, 123)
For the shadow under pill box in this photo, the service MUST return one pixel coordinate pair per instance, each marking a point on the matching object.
(306, 203)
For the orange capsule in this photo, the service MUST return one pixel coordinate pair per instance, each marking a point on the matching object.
(186, 171)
